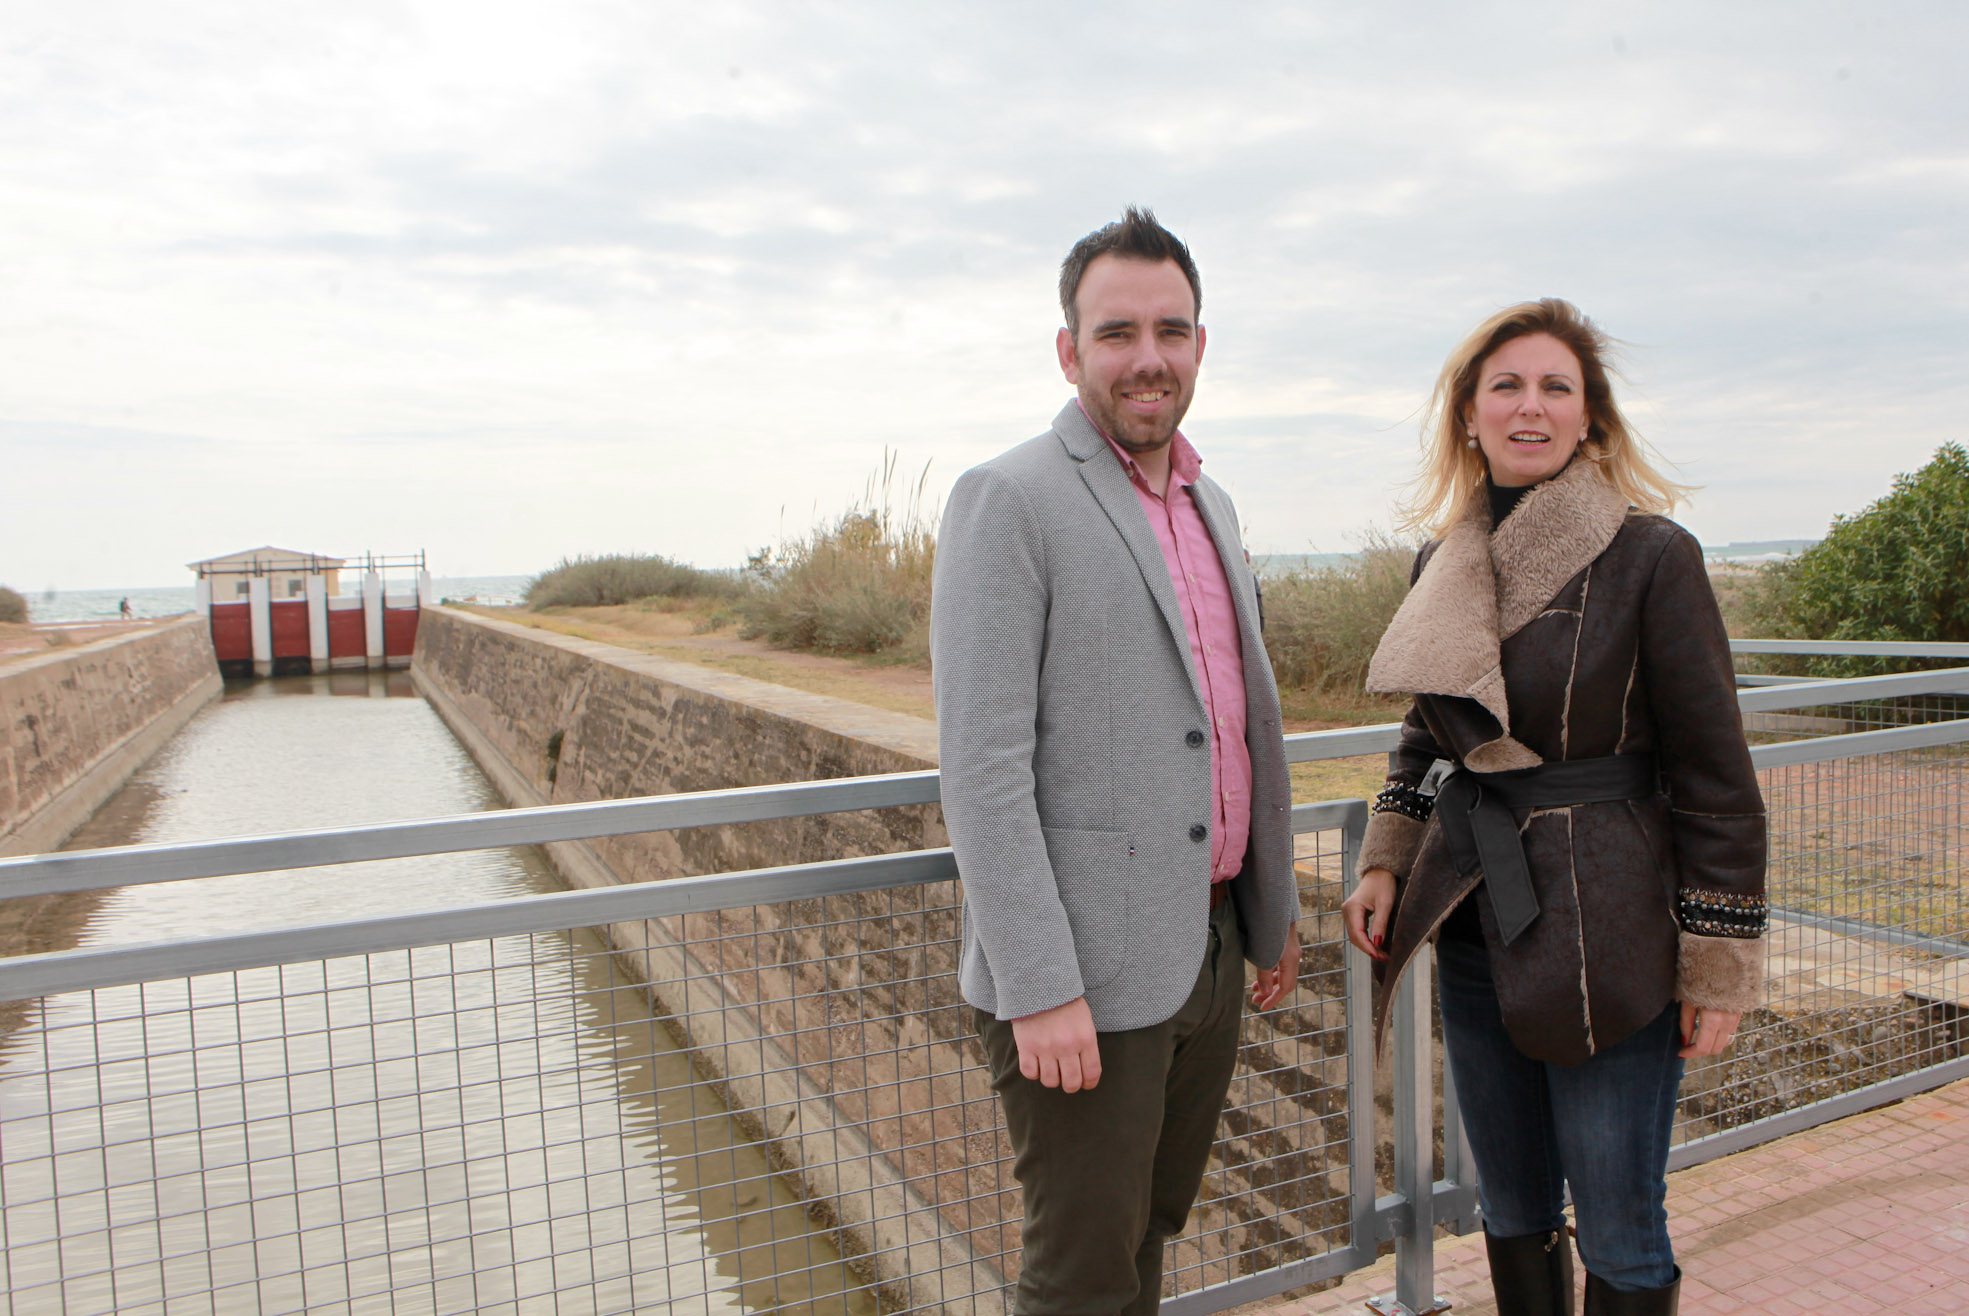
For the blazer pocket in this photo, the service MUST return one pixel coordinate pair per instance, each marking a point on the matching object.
(1090, 868)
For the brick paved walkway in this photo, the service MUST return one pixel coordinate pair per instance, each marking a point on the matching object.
(1870, 1214)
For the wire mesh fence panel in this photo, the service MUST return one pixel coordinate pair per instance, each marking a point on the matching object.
(771, 1108)
(1813, 722)
(1278, 1187)
(835, 1026)
(480, 1127)
(1868, 954)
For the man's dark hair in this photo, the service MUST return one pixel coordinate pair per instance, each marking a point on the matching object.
(1137, 236)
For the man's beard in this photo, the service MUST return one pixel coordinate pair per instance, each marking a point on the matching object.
(1116, 424)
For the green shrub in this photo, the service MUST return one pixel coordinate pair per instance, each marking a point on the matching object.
(1322, 625)
(857, 585)
(1897, 570)
(13, 607)
(594, 582)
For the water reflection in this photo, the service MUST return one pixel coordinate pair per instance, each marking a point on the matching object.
(489, 1125)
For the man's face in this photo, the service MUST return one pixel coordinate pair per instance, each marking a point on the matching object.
(1136, 357)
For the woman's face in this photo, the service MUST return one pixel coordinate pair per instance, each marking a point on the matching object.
(1529, 412)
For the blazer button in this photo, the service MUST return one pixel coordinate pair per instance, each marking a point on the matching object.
(1198, 831)
(1193, 738)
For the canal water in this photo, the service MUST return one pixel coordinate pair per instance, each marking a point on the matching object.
(493, 1125)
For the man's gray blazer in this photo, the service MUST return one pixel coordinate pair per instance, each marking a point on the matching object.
(1073, 743)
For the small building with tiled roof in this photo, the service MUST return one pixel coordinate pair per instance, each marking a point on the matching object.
(287, 572)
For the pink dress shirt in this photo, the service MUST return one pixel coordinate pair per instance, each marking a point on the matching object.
(1203, 592)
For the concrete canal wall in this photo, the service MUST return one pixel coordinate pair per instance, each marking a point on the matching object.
(559, 720)
(75, 723)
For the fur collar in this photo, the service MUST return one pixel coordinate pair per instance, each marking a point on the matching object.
(1481, 587)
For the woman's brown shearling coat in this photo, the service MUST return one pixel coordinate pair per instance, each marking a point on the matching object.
(1577, 630)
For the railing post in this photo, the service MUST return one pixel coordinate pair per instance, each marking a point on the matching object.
(1459, 1167)
(1360, 1063)
(1415, 1151)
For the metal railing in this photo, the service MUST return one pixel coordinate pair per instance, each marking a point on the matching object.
(528, 1104)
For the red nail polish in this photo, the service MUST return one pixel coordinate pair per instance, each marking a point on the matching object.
(1377, 940)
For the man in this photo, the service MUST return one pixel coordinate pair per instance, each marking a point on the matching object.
(1114, 782)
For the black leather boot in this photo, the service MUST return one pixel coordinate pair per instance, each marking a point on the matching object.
(1602, 1299)
(1531, 1274)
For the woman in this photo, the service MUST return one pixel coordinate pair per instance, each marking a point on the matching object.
(1572, 814)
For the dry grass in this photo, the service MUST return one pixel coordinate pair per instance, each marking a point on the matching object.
(844, 611)
(699, 632)
(1322, 625)
(1355, 778)
(587, 582)
(13, 605)
(859, 584)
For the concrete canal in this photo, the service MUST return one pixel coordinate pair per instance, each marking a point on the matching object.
(320, 1136)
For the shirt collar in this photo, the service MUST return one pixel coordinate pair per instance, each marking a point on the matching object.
(1185, 466)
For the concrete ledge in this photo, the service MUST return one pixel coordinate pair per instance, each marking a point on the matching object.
(76, 724)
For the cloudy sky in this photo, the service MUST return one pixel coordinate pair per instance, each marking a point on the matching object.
(508, 281)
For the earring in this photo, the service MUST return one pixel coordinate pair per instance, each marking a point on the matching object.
(1470, 443)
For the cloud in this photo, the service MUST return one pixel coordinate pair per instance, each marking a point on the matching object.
(603, 276)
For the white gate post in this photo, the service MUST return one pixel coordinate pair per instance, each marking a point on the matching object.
(372, 618)
(317, 622)
(259, 599)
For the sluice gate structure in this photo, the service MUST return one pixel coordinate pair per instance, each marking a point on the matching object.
(283, 614)
(819, 1000)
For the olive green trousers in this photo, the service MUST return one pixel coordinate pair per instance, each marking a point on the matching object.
(1109, 1173)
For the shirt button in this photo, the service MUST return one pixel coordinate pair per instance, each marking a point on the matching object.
(1198, 831)
(1193, 738)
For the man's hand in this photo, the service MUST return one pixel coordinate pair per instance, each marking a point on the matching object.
(1273, 984)
(1366, 912)
(1706, 1032)
(1059, 1047)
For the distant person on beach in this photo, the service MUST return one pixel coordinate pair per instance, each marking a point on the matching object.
(1114, 782)
(123, 610)
(1572, 815)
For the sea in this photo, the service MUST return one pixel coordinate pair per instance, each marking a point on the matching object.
(84, 605)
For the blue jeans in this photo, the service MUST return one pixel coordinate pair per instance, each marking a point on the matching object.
(1601, 1127)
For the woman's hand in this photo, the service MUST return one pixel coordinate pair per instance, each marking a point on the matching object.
(1366, 912)
(1707, 1032)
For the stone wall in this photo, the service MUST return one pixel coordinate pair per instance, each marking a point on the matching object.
(75, 723)
(833, 1025)
(570, 720)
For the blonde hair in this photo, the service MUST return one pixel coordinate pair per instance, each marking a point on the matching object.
(1454, 474)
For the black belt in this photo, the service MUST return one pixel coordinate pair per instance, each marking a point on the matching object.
(1476, 812)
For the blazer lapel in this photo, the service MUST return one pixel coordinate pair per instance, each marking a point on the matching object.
(1117, 497)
